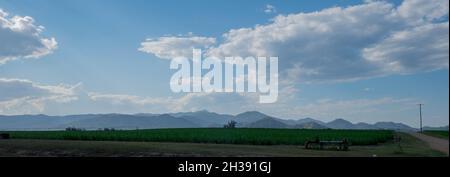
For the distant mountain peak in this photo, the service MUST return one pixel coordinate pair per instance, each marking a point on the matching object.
(268, 122)
(341, 119)
(340, 124)
(249, 116)
(309, 118)
(393, 126)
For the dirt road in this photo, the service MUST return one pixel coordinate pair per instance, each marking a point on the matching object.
(435, 143)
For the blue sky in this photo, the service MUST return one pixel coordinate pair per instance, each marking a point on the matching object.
(99, 68)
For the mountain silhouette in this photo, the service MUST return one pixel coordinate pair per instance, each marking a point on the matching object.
(199, 119)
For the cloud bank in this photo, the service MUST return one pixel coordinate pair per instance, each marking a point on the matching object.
(337, 44)
(24, 96)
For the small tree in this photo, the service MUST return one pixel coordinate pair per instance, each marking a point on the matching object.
(230, 124)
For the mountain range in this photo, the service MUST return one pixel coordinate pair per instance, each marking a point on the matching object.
(251, 119)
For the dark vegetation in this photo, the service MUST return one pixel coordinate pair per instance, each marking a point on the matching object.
(216, 135)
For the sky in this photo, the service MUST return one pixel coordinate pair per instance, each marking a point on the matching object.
(365, 61)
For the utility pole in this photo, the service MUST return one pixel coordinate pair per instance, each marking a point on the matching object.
(420, 112)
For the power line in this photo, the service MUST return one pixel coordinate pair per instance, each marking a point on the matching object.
(420, 113)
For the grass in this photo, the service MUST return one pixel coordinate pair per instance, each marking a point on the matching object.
(409, 146)
(216, 136)
(23, 147)
(437, 133)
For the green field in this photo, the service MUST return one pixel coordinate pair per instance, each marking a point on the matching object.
(216, 136)
(437, 133)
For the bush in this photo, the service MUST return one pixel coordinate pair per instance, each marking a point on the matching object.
(230, 124)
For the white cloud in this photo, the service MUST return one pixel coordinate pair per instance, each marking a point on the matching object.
(422, 48)
(19, 96)
(419, 11)
(171, 47)
(20, 37)
(270, 9)
(340, 44)
(24, 96)
(373, 39)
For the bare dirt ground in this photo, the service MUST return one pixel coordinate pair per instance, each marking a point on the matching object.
(435, 143)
